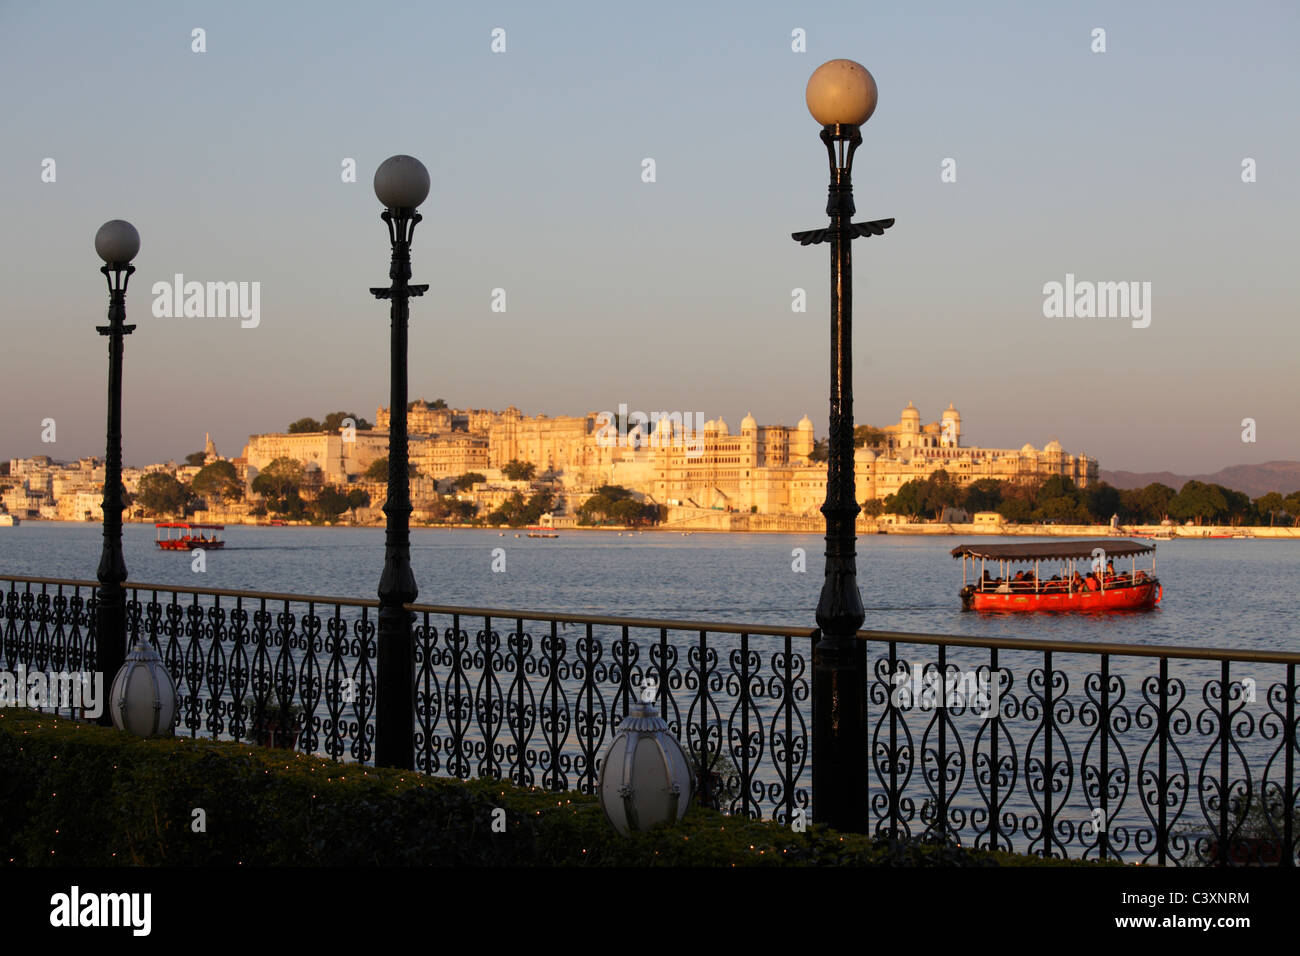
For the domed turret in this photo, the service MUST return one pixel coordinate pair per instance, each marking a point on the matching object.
(1053, 447)
(805, 424)
(722, 427)
(1028, 450)
(950, 427)
(710, 427)
(748, 424)
(864, 454)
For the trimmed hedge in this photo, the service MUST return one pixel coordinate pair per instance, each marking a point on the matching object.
(74, 794)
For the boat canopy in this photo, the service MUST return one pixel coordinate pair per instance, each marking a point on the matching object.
(1051, 550)
(185, 524)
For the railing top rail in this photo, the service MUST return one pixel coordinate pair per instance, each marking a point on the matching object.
(218, 592)
(726, 627)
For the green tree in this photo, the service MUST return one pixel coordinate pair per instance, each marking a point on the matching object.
(984, 494)
(940, 492)
(1149, 504)
(1016, 510)
(280, 483)
(334, 421)
(196, 457)
(614, 504)
(628, 511)
(1239, 507)
(161, 494)
(218, 481)
(449, 509)
(1198, 502)
(820, 450)
(1102, 501)
(517, 470)
(1062, 509)
(517, 512)
(1270, 506)
(467, 480)
(508, 511)
(873, 507)
(358, 498)
(868, 435)
(909, 500)
(378, 470)
(1059, 499)
(304, 425)
(330, 503)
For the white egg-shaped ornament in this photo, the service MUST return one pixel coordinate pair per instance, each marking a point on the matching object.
(645, 779)
(143, 696)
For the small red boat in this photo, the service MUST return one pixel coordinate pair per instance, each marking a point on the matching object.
(1101, 589)
(183, 536)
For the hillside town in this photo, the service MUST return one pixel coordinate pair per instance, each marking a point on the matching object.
(671, 469)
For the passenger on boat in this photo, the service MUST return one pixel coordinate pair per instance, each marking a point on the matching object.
(1091, 582)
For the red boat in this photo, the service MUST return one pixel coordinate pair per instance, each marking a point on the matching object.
(182, 536)
(1101, 589)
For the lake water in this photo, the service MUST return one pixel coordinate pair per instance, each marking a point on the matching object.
(1238, 594)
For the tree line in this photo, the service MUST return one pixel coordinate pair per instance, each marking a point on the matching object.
(1059, 500)
(282, 485)
(330, 423)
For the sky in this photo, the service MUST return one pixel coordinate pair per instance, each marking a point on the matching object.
(1117, 166)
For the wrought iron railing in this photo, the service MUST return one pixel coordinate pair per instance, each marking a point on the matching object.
(1163, 755)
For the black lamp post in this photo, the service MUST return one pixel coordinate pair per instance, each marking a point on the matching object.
(401, 183)
(117, 243)
(841, 95)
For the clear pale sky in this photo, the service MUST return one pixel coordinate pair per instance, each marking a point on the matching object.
(673, 295)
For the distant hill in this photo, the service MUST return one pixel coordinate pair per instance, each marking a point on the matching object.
(1254, 480)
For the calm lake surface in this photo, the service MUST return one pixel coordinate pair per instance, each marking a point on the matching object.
(1238, 594)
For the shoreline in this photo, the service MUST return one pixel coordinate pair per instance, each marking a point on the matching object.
(1181, 532)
